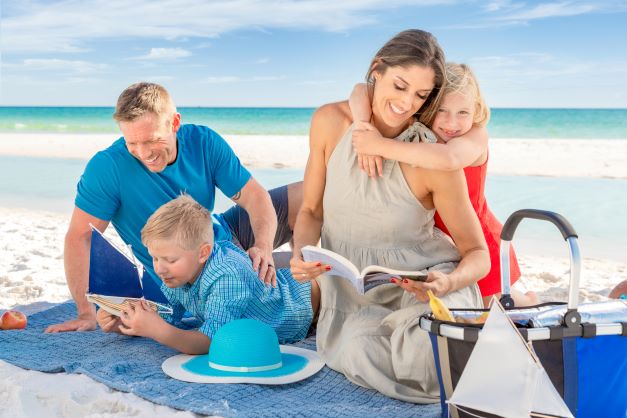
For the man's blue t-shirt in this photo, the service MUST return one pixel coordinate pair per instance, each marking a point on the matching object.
(117, 187)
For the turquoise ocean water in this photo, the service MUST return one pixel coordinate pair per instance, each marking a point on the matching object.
(505, 123)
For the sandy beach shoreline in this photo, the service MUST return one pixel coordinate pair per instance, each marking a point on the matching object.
(599, 158)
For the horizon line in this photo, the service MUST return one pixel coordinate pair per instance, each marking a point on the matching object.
(307, 107)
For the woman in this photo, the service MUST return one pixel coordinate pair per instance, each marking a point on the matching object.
(375, 339)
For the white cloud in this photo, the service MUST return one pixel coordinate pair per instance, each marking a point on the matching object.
(504, 13)
(263, 60)
(70, 25)
(547, 10)
(537, 69)
(496, 5)
(165, 54)
(59, 65)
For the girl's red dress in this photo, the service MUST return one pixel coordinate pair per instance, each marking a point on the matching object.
(490, 284)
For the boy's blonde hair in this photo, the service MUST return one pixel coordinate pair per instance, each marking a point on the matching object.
(183, 220)
(461, 79)
(141, 98)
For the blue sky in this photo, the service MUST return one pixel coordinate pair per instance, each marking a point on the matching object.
(304, 53)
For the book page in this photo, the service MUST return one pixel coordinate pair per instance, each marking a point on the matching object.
(114, 305)
(409, 274)
(375, 279)
(340, 266)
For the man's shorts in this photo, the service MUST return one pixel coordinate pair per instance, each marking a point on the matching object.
(239, 222)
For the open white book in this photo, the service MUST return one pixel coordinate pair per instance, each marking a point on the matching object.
(364, 280)
(115, 278)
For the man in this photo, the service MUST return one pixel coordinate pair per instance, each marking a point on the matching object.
(155, 161)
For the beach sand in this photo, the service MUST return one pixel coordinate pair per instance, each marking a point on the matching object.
(31, 253)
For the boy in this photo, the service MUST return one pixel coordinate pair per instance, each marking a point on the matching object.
(214, 281)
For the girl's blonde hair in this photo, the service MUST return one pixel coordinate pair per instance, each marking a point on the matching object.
(461, 79)
(183, 220)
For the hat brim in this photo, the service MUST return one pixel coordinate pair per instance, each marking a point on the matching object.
(298, 364)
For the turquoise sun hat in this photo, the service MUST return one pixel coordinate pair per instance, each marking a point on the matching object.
(245, 351)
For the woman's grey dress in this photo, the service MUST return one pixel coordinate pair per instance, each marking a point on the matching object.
(375, 339)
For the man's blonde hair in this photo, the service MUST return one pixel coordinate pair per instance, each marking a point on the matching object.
(183, 220)
(141, 98)
(461, 79)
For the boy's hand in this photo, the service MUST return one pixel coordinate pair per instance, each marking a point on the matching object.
(108, 322)
(139, 320)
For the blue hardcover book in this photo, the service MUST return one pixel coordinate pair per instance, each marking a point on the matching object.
(116, 278)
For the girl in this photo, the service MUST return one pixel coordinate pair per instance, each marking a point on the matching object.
(462, 111)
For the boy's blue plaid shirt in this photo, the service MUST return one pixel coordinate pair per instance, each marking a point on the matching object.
(228, 288)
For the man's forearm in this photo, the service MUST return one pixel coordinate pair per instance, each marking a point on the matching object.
(76, 261)
(263, 222)
(264, 227)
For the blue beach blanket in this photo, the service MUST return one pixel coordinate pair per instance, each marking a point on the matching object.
(131, 364)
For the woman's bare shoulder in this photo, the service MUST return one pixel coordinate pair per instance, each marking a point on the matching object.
(332, 118)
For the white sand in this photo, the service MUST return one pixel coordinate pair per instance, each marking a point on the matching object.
(531, 157)
(31, 253)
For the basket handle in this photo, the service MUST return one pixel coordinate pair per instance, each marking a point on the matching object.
(569, 234)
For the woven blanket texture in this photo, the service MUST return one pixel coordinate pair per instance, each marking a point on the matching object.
(132, 364)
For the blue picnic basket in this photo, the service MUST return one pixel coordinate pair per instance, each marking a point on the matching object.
(586, 362)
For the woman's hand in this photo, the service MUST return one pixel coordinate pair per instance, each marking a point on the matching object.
(439, 283)
(139, 319)
(304, 271)
(366, 142)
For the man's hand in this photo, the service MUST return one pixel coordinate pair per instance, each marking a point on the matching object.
(108, 322)
(139, 320)
(263, 264)
(84, 322)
